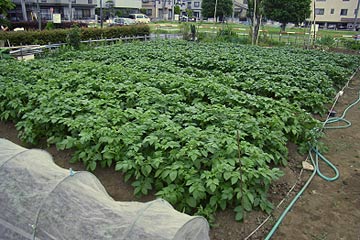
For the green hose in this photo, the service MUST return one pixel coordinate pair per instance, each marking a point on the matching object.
(315, 163)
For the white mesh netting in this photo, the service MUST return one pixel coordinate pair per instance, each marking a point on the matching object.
(40, 200)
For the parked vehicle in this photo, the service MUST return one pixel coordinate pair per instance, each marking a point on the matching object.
(187, 19)
(140, 18)
(121, 22)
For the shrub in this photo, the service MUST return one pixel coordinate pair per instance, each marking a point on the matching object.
(60, 35)
(34, 25)
(352, 44)
(73, 38)
(326, 41)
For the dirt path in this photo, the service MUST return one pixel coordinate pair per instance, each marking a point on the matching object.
(332, 210)
(325, 211)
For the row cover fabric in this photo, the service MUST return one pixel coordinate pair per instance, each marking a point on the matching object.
(40, 200)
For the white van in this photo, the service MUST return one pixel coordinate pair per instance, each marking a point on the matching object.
(140, 18)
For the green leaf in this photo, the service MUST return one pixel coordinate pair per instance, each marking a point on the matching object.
(234, 180)
(250, 197)
(92, 166)
(191, 202)
(173, 175)
(227, 176)
(239, 216)
(145, 170)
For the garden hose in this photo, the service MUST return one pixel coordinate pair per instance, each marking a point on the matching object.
(315, 162)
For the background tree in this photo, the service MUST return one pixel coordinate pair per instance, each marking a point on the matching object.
(5, 6)
(109, 5)
(177, 9)
(143, 10)
(255, 14)
(224, 8)
(287, 11)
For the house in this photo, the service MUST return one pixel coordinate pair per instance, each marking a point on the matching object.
(334, 14)
(27, 10)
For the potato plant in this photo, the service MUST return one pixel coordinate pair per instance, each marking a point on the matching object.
(167, 114)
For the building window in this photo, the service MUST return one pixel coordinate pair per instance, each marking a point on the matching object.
(332, 11)
(196, 4)
(343, 12)
(73, 1)
(43, 1)
(149, 12)
(346, 0)
(86, 13)
(145, 1)
(90, 1)
(319, 11)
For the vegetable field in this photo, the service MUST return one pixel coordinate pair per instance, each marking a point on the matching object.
(203, 125)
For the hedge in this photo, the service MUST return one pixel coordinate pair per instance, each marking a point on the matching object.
(33, 25)
(60, 35)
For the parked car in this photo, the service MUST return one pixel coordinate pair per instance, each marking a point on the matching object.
(140, 18)
(121, 22)
(187, 19)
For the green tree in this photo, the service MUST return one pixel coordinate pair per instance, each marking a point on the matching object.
(177, 9)
(5, 6)
(287, 11)
(255, 14)
(143, 10)
(224, 8)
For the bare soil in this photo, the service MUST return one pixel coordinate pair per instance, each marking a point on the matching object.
(327, 210)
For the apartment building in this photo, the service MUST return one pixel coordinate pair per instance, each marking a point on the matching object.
(159, 9)
(163, 9)
(26, 10)
(120, 7)
(334, 13)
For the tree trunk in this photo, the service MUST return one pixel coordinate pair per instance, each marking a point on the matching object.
(255, 28)
(283, 26)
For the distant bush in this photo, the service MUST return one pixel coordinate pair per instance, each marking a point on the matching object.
(60, 35)
(327, 41)
(352, 44)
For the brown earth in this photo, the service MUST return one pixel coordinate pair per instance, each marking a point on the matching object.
(326, 210)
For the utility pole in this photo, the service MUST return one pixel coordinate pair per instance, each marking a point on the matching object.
(38, 13)
(70, 10)
(101, 14)
(173, 9)
(216, 2)
(233, 12)
(356, 15)
(23, 9)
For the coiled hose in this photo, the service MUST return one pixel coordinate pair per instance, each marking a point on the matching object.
(314, 151)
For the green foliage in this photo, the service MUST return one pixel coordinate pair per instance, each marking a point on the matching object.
(285, 11)
(352, 44)
(226, 33)
(224, 8)
(73, 38)
(166, 114)
(50, 26)
(326, 40)
(189, 13)
(143, 10)
(177, 9)
(60, 35)
(5, 6)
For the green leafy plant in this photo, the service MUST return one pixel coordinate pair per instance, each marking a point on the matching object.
(167, 114)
